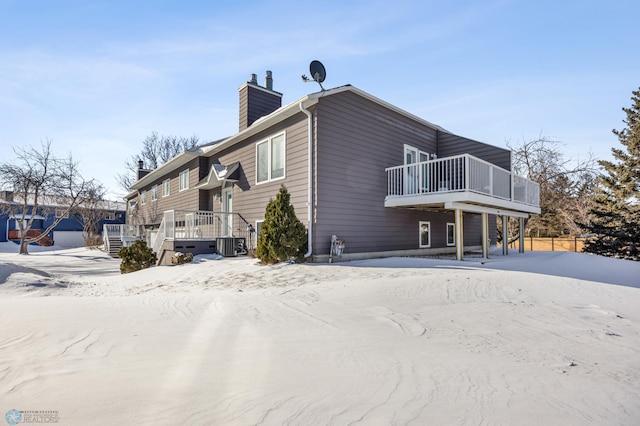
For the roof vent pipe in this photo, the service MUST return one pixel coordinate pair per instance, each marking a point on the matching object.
(254, 79)
(268, 81)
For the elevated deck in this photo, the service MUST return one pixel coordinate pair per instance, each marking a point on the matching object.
(463, 180)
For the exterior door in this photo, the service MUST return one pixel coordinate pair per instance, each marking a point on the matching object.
(227, 210)
(410, 170)
(416, 176)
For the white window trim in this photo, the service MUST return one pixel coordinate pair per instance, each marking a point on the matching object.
(143, 197)
(452, 243)
(258, 228)
(422, 222)
(154, 193)
(180, 188)
(417, 180)
(419, 152)
(166, 187)
(59, 213)
(268, 141)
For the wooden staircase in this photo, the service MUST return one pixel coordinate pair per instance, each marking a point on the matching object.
(115, 244)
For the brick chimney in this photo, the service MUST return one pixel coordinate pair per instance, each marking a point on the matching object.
(257, 101)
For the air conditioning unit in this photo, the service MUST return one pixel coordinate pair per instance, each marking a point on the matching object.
(226, 246)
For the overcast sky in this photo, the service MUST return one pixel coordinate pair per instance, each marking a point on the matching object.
(97, 77)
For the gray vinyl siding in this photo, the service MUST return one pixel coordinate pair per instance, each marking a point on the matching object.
(356, 140)
(450, 145)
(249, 198)
(151, 212)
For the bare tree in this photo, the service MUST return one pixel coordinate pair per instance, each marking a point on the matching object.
(39, 179)
(91, 212)
(565, 186)
(156, 150)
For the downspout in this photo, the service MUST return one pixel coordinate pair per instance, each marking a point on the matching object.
(310, 180)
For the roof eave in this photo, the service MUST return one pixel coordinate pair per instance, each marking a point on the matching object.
(291, 109)
(177, 161)
(261, 124)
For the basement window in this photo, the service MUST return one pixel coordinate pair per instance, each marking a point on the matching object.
(425, 234)
(451, 234)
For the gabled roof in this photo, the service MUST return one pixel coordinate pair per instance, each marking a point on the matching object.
(218, 175)
(293, 108)
(263, 123)
(177, 161)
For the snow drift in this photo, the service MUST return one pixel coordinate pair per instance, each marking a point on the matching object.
(534, 338)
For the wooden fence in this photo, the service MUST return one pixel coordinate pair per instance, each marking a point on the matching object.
(550, 244)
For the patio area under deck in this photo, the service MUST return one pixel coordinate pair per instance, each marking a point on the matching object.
(463, 184)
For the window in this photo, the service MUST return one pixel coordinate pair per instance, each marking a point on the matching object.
(270, 159)
(258, 228)
(166, 187)
(62, 213)
(451, 234)
(143, 197)
(154, 192)
(111, 216)
(425, 234)
(184, 180)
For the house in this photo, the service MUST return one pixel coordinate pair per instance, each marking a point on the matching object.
(67, 233)
(379, 178)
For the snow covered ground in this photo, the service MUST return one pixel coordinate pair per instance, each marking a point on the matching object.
(528, 339)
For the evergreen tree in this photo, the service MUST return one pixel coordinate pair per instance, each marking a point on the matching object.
(282, 236)
(615, 215)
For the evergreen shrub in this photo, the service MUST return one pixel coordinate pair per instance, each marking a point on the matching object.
(136, 257)
(282, 237)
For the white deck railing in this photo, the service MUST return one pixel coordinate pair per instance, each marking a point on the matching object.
(183, 224)
(123, 232)
(461, 173)
(198, 225)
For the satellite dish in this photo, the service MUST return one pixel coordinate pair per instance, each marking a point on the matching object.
(318, 73)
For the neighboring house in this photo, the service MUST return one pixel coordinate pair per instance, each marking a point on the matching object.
(68, 232)
(379, 178)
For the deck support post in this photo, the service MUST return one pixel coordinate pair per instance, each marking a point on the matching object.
(485, 235)
(505, 235)
(459, 235)
(521, 232)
